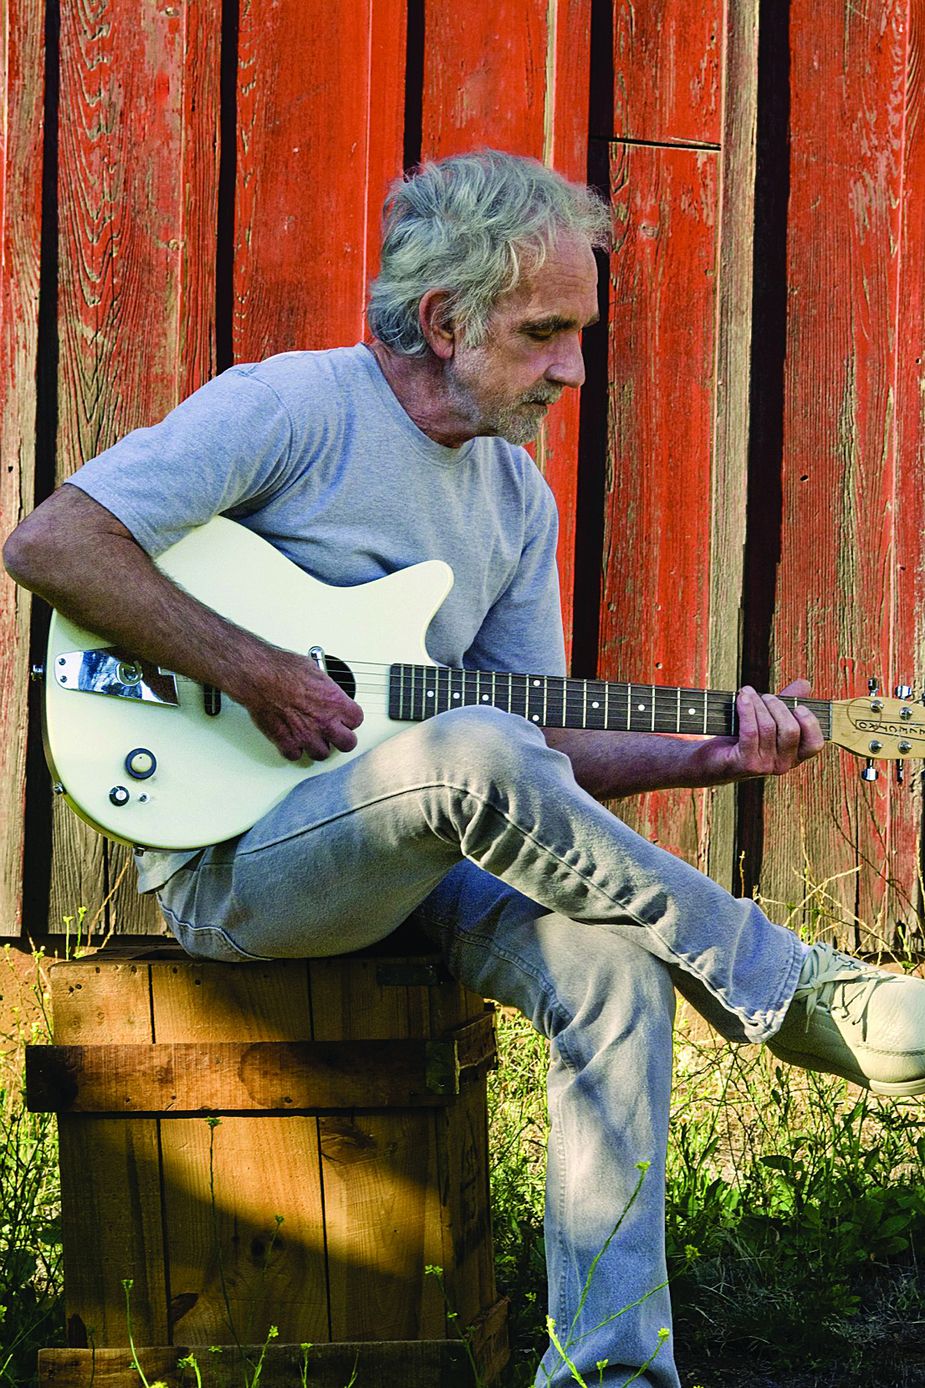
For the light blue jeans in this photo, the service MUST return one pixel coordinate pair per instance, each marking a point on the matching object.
(542, 899)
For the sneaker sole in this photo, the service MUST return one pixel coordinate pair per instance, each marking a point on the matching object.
(898, 1090)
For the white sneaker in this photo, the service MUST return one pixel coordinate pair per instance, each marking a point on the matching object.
(854, 1020)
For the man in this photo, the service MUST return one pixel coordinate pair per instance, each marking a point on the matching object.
(357, 462)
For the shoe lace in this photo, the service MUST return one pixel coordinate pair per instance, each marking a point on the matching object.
(837, 982)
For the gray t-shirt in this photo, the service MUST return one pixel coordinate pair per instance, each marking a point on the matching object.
(312, 451)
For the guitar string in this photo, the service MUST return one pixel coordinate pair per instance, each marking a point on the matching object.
(576, 683)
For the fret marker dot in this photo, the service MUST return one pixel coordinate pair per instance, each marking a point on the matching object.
(692, 712)
(641, 708)
(456, 696)
(536, 684)
(430, 693)
(595, 704)
(536, 718)
(484, 698)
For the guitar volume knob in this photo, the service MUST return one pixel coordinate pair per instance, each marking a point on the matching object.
(119, 795)
(140, 763)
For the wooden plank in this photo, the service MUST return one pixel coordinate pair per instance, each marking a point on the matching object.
(231, 1263)
(909, 582)
(853, 74)
(729, 473)
(307, 203)
(21, 135)
(469, 101)
(137, 194)
(174, 1078)
(383, 1221)
(655, 617)
(668, 77)
(110, 1177)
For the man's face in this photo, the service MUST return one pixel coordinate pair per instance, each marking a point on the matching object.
(532, 349)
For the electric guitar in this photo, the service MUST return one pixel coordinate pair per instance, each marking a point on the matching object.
(149, 757)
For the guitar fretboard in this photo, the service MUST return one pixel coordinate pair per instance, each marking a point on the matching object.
(417, 692)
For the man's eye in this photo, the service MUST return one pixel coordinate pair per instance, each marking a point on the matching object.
(540, 334)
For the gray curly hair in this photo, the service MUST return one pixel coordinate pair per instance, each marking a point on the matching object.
(471, 224)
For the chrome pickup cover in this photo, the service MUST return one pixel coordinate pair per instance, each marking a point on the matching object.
(121, 676)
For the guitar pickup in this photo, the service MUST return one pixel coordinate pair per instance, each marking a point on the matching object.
(109, 671)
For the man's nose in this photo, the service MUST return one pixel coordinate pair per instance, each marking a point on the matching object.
(567, 367)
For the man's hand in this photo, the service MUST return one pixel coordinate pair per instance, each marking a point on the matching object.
(298, 707)
(772, 738)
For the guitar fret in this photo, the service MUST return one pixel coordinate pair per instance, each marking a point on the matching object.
(595, 716)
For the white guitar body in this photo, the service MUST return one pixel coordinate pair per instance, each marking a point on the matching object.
(216, 775)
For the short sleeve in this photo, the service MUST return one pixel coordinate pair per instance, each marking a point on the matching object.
(226, 448)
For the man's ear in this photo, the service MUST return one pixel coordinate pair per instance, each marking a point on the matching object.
(436, 323)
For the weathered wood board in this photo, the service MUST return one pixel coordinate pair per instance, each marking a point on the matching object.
(850, 561)
(21, 147)
(682, 161)
(137, 189)
(316, 150)
(655, 617)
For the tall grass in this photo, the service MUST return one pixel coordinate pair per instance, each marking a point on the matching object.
(30, 1235)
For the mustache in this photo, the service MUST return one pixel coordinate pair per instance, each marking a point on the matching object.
(542, 397)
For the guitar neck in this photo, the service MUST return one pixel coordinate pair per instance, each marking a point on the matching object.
(417, 692)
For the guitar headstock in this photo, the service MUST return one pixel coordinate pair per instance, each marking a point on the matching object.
(879, 728)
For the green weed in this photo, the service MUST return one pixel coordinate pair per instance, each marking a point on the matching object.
(30, 1236)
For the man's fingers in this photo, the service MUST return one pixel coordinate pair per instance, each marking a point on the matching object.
(811, 739)
(786, 725)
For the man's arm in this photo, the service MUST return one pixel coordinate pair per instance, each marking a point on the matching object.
(78, 557)
(771, 741)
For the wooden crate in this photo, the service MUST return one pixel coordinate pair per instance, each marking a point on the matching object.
(287, 1144)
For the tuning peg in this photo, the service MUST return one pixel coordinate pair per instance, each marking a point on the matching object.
(873, 686)
(870, 772)
(904, 691)
(900, 773)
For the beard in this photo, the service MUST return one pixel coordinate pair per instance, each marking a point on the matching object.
(518, 421)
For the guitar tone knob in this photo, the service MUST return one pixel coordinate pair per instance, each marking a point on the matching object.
(119, 795)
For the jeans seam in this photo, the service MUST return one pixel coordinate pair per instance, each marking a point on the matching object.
(216, 929)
